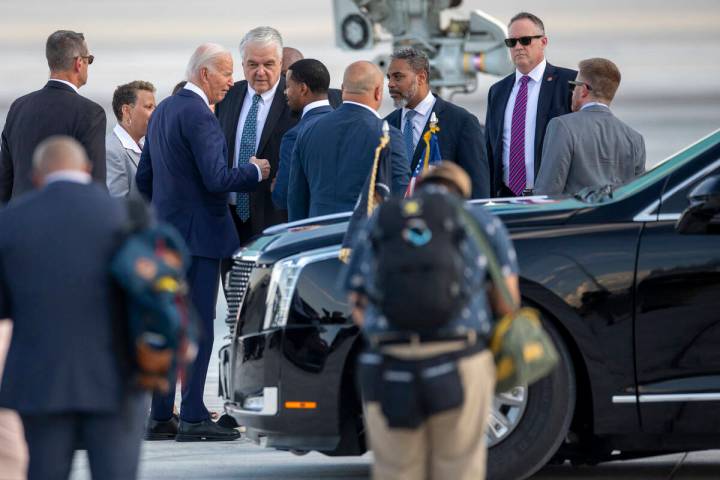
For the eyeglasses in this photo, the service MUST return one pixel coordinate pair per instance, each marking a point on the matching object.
(577, 83)
(524, 41)
(90, 58)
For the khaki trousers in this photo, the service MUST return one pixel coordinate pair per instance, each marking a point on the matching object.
(447, 446)
(13, 450)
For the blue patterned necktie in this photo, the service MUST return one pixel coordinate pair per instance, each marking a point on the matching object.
(408, 134)
(247, 150)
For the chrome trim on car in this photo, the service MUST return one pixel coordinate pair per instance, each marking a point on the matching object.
(306, 221)
(666, 398)
(646, 214)
(269, 408)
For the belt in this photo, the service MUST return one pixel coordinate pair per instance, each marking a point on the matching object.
(414, 338)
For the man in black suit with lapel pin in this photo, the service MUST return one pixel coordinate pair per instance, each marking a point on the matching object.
(461, 138)
(520, 106)
(56, 109)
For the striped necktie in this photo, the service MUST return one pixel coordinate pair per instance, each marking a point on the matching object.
(517, 178)
(247, 150)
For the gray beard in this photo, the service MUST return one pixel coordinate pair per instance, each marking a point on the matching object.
(404, 99)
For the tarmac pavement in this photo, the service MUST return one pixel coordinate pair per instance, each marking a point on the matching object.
(242, 459)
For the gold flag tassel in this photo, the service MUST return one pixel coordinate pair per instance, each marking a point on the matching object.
(432, 130)
(384, 140)
(344, 254)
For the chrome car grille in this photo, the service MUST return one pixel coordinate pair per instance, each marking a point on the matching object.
(236, 285)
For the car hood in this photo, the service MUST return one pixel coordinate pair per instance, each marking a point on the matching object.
(288, 239)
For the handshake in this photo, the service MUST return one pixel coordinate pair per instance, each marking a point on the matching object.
(263, 165)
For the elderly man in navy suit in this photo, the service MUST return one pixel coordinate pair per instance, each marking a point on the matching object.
(306, 89)
(334, 156)
(183, 170)
(461, 138)
(520, 106)
(67, 370)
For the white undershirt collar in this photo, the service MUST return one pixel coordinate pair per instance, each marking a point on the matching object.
(126, 140)
(364, 106)
(71, 85)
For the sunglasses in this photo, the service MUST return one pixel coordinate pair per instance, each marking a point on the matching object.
(577, 83)
(90, 58)
(524, 41)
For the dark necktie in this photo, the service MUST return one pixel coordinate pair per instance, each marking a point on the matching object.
(517, 178)
(247, 150)
(408, 134)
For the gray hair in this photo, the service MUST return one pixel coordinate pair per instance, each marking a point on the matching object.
(204, 57)
(262, 36)
(59, 152)
(417, 59)
(62, 48)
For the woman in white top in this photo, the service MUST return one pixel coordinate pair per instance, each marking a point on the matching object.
(132, 104)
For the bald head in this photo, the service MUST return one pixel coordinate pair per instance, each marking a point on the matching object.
(58, 153)
(363, 83)
(290, 55)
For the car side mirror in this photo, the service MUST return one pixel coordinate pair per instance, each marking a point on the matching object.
(703, 214)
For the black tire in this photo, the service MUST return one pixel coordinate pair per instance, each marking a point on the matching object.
(544, 424)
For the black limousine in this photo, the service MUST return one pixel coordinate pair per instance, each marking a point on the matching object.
(628, 287)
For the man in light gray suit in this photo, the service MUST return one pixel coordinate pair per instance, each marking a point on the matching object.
(132, 103)
(590, 147)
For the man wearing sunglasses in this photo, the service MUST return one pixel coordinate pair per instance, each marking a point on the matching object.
(590, 147)
(520, 106)
(55, 109)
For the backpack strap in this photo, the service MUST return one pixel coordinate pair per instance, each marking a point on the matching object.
(479, 235)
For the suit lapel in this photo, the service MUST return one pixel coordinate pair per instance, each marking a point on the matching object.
(276, 109)
(547, 87)
(235, 107)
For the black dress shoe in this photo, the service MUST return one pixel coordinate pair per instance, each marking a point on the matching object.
(227, 421)
(165, 430)
(207, 430)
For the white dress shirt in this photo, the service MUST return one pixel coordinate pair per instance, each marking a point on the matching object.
(126, 140)
(195, 89)
(73, 176)
(536, 76)
(423, 111)
(66, 83)
(316, 104)
(264, 105)
(364, 106)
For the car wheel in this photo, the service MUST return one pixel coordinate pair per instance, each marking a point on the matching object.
(527, 425)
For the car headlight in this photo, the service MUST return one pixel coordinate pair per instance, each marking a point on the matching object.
(283, 280)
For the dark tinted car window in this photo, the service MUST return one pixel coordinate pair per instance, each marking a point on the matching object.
(678, 201)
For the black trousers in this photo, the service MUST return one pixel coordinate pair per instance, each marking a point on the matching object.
(203, 282)
(112, 441)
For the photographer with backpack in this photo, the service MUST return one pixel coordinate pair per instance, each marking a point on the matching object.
(419, 289)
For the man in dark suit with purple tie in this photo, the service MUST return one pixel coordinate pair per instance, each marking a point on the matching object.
(183, 170)
(520, 106)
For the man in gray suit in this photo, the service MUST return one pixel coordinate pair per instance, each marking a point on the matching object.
(590, 147)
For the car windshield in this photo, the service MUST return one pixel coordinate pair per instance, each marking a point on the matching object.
(607, 193)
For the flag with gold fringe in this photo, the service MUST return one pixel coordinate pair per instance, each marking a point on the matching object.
(430, 156)
(375, 190)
